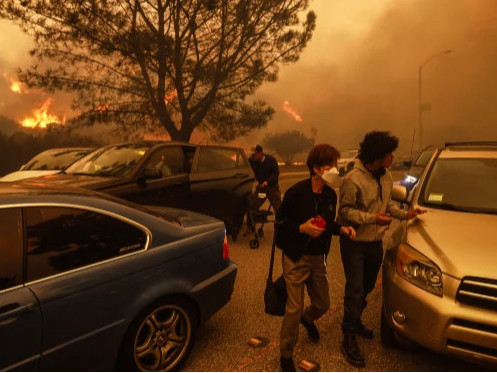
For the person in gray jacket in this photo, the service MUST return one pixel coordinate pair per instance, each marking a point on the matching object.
(366, 205)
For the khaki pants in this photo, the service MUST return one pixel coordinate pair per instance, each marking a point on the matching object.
(310, 271)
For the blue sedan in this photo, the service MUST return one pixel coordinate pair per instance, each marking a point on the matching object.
(89, 282)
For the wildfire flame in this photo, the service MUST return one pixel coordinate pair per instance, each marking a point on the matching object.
(286, 106)
(41, 117)
(15, 86)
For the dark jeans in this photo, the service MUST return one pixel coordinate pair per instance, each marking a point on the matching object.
(361, 264)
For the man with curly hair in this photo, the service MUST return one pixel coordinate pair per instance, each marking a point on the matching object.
(366, 205)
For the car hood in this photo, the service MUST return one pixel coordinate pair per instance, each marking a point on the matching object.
(186, 218)
(80, 181)
(21, 175)
(461, 244)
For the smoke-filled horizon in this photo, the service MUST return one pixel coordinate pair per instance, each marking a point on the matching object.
(358, 73)
(369, 80)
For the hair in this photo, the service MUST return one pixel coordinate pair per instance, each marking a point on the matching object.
(377, 145)
(258, 149)
(321, 155)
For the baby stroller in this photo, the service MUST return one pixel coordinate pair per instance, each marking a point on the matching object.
(259, 217)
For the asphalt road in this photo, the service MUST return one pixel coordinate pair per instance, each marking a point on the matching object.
(221, 343)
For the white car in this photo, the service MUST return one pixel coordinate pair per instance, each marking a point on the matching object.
(347, 161)
(48, 162)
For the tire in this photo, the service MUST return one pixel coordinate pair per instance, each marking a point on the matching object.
(260, 232)
(254, 244)
(160, 338)
(387, 333)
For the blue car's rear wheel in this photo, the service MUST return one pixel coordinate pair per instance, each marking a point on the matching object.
(161, 338)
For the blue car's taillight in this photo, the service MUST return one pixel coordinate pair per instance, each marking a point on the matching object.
(226, 251)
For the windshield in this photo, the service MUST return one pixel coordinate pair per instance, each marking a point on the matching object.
(55, 159)
(115, 161)
(463, 184)
(348, 154)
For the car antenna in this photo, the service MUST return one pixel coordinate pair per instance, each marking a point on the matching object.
(412, 147)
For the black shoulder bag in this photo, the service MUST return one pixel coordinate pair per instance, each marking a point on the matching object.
(275, 294)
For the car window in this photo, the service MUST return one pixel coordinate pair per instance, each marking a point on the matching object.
(242, 161)
(61, 239)
(463, 184)
(10, 248)
(167, 161)
(217, 159)
(55, 159)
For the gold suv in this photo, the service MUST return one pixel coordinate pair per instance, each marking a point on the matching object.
(440, 278)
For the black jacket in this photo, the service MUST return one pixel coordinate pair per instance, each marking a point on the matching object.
(299, 205)
(266, 171)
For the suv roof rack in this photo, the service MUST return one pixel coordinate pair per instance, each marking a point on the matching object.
(470, 143)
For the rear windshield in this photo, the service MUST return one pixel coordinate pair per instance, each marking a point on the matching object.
(146, 209)
(462, 184)
(55, 160)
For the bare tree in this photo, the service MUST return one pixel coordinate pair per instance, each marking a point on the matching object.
(288, 144)
(172, 64)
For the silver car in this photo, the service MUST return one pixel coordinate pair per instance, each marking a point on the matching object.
(440, 278)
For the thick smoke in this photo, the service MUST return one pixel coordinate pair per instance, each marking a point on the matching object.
(345, 90)
(360, 72)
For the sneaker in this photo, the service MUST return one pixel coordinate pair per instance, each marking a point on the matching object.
(312, 331)
(365, 332)
(287, 364)
(351, 351)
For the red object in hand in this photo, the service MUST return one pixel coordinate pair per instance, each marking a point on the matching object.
(319, 222)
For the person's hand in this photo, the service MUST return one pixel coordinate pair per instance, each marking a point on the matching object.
(310, 229)
(415, 212)
(383, 218)
(348, 232)
(264, 184)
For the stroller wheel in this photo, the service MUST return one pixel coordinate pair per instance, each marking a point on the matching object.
(260, 232)
(254, 244)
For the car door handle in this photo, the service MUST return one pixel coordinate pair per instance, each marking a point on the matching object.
(14, 310)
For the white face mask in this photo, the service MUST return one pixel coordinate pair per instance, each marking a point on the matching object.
(330, 177)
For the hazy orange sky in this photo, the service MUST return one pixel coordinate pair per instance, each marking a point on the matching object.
(360, 72)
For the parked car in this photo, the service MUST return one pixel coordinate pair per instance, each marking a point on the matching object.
(52, 161)
(213, 180)
(439, 281)
(347, 161)
(92, 283)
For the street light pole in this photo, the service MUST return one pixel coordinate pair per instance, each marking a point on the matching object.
(420, 108)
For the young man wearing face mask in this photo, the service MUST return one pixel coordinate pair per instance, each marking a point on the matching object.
(306, 222)
(365, 204)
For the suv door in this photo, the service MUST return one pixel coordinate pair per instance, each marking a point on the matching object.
(162, 181)
(220, 180)
(20, 317)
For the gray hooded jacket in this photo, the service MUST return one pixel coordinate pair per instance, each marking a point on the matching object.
(360, 201)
